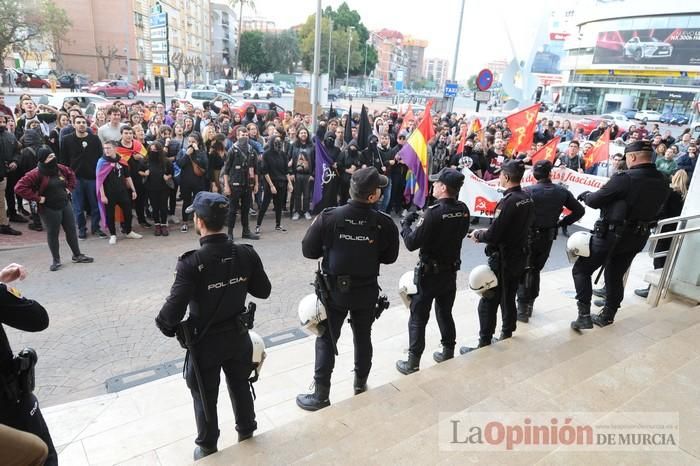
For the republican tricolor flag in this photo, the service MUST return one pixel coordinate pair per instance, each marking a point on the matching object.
(415, 155)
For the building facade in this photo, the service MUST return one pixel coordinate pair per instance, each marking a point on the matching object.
(258, 24)
(437, 70)
(224, 37)
(415, 52)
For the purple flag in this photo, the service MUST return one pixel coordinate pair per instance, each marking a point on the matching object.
(323, 172)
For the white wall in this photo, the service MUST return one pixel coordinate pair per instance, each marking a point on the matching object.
(687, 270)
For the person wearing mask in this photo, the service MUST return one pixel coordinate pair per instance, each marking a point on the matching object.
(351, 160)
(50, 186)
(240, 182)
(251, 116)
(274, 172)
(302, 170)
(217, 156)
(158, 179)
(192, 162)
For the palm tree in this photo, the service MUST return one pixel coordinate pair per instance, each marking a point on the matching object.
(240, 4)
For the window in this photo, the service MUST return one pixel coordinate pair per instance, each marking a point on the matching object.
(138, 20)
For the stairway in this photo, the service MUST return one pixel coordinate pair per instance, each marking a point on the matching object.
(647, 361)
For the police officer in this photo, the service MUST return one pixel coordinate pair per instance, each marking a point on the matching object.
(438, 234)
(353, 240)
(549, 199)
(506, 247)
(214, 281)
(241, 181)
(630, 203)
(19, 408)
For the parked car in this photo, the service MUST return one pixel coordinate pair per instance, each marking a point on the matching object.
(647, 115)
(263, 91)
(618, 119)
(84, 99)
(203, 87)
(674, 119)
(262, 106)
(197, 97)
(113, 88)
(32, 80)
(82, 81)
(640, 48)
(629, 112)
(588, 124)
(586, 109)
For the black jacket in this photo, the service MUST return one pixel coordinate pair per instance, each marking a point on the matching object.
(20, 313)
(9, 152)
(549, 199)
(509, 231)
(81, 154)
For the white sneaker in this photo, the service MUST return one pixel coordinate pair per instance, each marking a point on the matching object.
(134, 235)
(113, 239)
(307, 216)
(295, 216)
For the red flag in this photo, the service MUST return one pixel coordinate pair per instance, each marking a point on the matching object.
(600, 152)
(548, 151)
(476, 126)
(522, 128)
(408, 116)
(462, 141)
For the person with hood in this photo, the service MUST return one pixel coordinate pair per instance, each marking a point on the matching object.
(192, 161)
(302, 171)
(32, 141)
(240, 181)
(276, 182)
(50, 186)
(251, 116)
(159, 176)
(350, 161)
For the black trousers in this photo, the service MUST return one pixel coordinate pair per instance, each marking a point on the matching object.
(539, 250)
(344, 188)
(276, 199)
(361, 323)
(188, 193)
(239, 199)
(141, 198)
(159, 205)
(123, 200)
(625, 250)
(441, 288)
(237, 373)
(12, 200)
(54, 220)
(302, 191)
(26, 416)
(504, 296)
(172, 198)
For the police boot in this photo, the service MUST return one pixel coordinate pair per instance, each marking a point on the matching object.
(584, 317)
(410, 366)
(444, 355)
(201, 452)
(316, 400)
(605, 317)
(524, 311)
(468, 349)
(360, 384)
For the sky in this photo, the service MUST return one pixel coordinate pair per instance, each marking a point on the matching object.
(483, 32)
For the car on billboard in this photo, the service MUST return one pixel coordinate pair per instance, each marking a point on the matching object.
(647, 115)
(639, 49)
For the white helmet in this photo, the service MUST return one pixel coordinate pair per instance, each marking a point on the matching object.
(311, 313)
(482, 278)
(259, 353)
(407, 288)
(578, 245)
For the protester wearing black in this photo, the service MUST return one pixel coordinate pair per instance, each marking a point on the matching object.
(213, 281)
(19, 408)
(438, 234)
(193, 168)
(549, 200)
(9, 155)
(117, 190)
(350, 161)
(353, 241)
(630, 204)
(274, 172)
(302, 171)
(159, 175)
(240, 181)
(506, 247)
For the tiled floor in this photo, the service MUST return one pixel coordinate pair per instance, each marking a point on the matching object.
(647, 361)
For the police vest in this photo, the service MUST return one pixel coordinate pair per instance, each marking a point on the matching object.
(353, 248)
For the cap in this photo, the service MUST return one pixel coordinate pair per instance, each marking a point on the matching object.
(639, 146)
(366, 180)
(208, 205)
(449, 177)
(514, 168)
(43, 152)
(542, 169)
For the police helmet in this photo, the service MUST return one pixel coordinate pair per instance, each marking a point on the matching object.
(407, 288)
(578, 245)
(311, 313)
(481, 279)
(259, 354)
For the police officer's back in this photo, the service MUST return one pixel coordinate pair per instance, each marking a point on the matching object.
(214, 281)
(549, 199)
(506, 246)
(353, 241)
(438, 234)
(630, 203)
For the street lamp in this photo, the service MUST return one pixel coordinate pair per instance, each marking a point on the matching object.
(347, 71)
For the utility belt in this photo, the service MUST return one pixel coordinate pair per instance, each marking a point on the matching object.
(427, 266)
(20, 379)
(346, 283)
(634, 228)
(543, 233)
(188, 334)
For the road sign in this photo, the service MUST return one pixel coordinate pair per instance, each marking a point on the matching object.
(482, 96)
(160, 70)
(451, 89)
(484, 79)
(160, 46)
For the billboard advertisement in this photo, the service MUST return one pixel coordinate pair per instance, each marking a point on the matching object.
(655, 47)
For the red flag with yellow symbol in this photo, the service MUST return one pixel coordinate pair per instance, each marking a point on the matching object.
(600, 152)
(548, 152)
(476, 126)
(522, 128)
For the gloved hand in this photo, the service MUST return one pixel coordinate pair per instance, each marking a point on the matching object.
(582, 197)
(408, 220)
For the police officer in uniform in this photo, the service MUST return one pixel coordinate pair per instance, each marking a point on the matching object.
(438, 234)
(506, 247)
(630, 204)
(549, 199)
(241, 182)
(352, 240)
(19, 408)
(214, 281)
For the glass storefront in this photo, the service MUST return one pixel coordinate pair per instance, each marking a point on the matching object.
(661, 101)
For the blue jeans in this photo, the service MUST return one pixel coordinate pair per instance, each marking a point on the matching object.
(85, 191)
(386, 198)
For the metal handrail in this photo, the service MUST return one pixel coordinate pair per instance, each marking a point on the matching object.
(677, 236)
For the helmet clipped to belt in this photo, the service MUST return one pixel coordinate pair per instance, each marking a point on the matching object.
(407, 288)
(258, 354)
(578, 245)
(482, 279)
(311, 313)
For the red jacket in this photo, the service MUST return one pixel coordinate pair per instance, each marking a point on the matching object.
(33, 184)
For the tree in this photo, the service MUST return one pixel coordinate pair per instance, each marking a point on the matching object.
(177, 61)
(282, 50)
(471, 82)
(20, 21)
(240, 4)
(253, 59)
(56, 26)
(107, 55)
